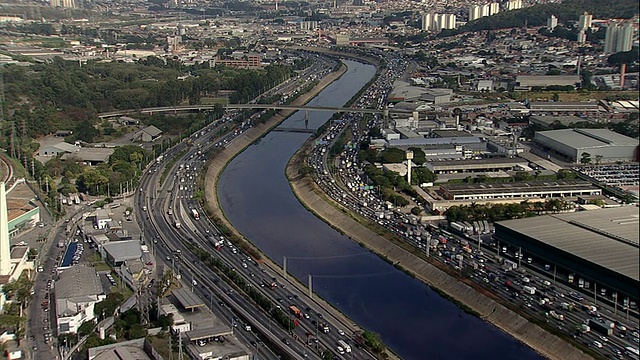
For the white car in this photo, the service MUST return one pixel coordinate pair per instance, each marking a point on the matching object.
(341, 332)
(597, 344)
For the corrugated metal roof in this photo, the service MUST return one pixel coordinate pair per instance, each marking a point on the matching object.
(588, 138)
(78, 281)
(187, 298)
(124, 250)
(607, 237)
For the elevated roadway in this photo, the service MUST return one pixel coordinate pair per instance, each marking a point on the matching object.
(199, 108)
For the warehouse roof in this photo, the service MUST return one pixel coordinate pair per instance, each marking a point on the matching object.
(123, 250)
(78, 281)
(435, 141)
(90, 154)
(588, 138)
(486, 162)
(520, 186)
(606, 237)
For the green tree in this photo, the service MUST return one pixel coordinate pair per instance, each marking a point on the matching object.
(598, 159)
(585, 158)
(393, 155)
(137, 331)
(86, 328)
(419, 157)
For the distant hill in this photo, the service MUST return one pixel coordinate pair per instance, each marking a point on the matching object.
(537, 15)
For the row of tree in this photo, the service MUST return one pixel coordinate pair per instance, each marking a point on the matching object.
(499, 212)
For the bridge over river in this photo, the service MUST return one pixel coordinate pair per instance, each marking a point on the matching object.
(199, 108)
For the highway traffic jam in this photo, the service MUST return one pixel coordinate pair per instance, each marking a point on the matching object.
(173, 219)
(540, 290)
(537, 289)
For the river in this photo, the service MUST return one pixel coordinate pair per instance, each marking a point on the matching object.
(409, 317)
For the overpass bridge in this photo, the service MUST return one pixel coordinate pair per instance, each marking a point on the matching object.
(295, 130)
(199, 108)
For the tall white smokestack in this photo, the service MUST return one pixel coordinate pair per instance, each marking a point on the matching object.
(5, 252)
(409, 154)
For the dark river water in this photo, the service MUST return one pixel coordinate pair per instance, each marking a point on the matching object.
(409, 317)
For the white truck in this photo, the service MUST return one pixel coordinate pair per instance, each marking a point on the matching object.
(529, 289)
(556, 316)
(344, 345)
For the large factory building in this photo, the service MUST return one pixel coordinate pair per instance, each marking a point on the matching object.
(573, 143)
(596, 251)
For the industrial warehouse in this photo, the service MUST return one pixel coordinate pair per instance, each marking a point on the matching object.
(475, 165)
(589, 145)
(519, 190)
(600, 247)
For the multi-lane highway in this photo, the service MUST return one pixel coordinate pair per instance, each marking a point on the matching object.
(162, 206)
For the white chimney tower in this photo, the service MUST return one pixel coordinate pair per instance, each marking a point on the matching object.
(5, 245)
(409, 154)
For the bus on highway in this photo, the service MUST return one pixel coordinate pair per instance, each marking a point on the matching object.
(195, 214)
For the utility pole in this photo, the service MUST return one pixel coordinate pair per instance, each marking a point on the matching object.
(180, 353)
(284, 267)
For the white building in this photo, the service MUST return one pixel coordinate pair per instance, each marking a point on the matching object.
(102, 218)
(585, 21)
(427, 21)
(618, 37)
(514, 4)
(494, 8)
(475, 12)
(77, 291)
(437, 22)
(552, 22)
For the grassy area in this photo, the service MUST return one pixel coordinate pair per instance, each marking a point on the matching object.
(101, 266)
(46, 42)
(161, 344)
(122, 288)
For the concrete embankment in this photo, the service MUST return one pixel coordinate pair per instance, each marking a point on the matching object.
(545, 343)
(216, 166)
